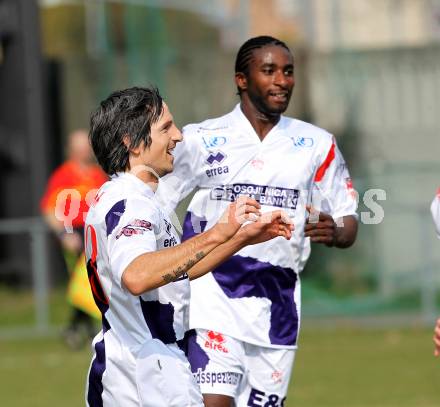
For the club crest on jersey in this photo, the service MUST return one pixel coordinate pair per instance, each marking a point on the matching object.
(257, 163)
(216, 341)
(303, 142)
(214, 141)
(277, 376)
(215, 157)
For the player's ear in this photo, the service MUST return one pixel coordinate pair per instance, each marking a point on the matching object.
(241, 80)
(126, 141)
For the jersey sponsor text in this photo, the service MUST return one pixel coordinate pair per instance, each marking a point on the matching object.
(265, 195)
(216, 377)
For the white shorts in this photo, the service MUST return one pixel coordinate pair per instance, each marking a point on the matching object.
(252, 375)
(158, 375)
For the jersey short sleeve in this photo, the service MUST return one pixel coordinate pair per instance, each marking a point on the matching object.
(131, 232)
(435, 211)
(333, 190)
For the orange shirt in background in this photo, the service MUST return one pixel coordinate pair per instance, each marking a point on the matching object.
(70, 175)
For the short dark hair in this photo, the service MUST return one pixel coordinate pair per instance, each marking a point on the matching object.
(245, 52)
(129, 112)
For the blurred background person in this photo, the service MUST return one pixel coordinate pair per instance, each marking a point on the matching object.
(66, 199)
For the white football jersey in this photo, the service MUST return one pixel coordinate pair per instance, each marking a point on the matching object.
(255, 295)
(124, 222)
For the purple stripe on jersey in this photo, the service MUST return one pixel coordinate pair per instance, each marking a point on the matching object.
(114, 216)
(193, 225)
(94, 395)
(197, 357)
(159, 318)
(241, 277)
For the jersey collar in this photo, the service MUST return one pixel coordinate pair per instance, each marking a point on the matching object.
(135, 182)
(240, 120)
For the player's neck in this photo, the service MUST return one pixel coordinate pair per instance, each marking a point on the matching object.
(146, 175)
(261, 122)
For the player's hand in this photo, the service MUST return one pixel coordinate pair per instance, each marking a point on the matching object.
(437, 338)
(320, 227)
(244, 209)
(268, 226)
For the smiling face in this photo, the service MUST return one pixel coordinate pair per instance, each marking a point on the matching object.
(270, 81)
(158, 156)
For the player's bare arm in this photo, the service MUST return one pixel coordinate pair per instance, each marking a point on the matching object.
(322, 228)
(154, 269)
(268, 226)
(436, 339)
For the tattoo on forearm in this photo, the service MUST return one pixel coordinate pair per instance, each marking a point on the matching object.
(181, 270)
(168, 278)
(200, 255)
(189, 264)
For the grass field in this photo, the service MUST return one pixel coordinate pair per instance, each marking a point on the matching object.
(339, 366)
(334, 367)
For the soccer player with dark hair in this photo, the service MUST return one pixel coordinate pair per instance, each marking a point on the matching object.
(138, 271)
(246, 313)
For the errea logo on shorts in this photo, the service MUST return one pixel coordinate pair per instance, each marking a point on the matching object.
(216, 341)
